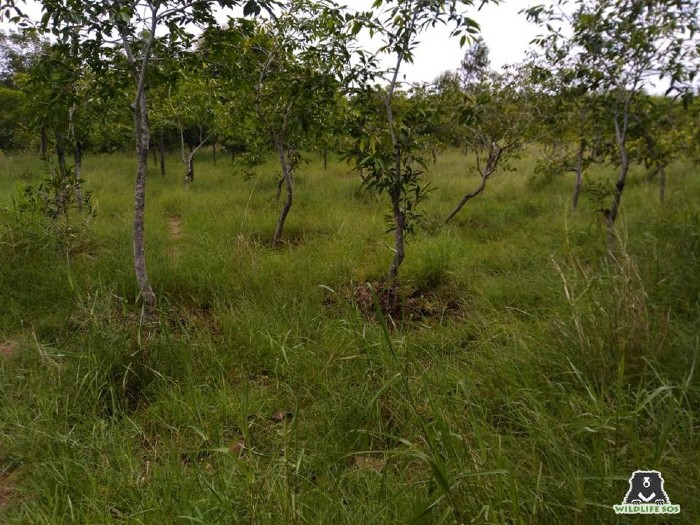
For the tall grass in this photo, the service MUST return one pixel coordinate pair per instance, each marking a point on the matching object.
(264, 393)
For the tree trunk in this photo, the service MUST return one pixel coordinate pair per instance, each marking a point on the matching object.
(62, 171)
(187, 159)
(617, 194)
(61, 154)
(161, 149)
(495, 151)
(596, 147)
(155, 156)
(287, 177)
(78, 164)
(278, 193)
(579, 173)
(324, 154)
(140, 112)
(662, 184)
(399, 247)
(189, 166)
(621, 136)
(43, 140)
(213, 150)
(611, 214)
(395, 192)
(77, 155)
(554, 146)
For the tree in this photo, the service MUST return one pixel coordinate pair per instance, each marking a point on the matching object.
(568, 113)
(661, 133)
(134, 25)
(287, 73)
(327, 131)
(191, 107)
(389, 150)
(19, 53)
(449, 96)
(495, 121)
(57, 87)
(619, 48)
(12, 133)
(166, 70)
(475, 64)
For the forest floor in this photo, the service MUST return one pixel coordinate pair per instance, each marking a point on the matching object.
(531, 374)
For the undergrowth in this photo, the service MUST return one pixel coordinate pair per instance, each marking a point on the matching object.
(267, 391)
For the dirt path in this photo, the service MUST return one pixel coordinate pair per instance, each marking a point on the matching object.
(174, 234)
(174, 228)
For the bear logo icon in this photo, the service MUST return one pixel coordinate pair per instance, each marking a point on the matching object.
(646, 487)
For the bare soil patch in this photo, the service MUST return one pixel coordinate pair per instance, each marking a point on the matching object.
(175, 228)
(6, 489)
(369, 463)
(8, 349)
(174, 234)
(413, 303)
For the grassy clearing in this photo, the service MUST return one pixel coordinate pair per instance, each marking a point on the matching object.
(264, 395)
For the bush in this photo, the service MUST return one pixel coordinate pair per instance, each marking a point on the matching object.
(42, 215)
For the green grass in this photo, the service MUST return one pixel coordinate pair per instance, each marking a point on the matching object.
(558, 372)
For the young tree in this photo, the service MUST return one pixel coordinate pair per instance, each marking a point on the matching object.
(167, 69)
(662, 133)
(288, 73)
(57, 87)
(327, 131)
(495, 123)
(568, 114)
(389, 150)
(191, 107)
(620, 48)
(132, 28)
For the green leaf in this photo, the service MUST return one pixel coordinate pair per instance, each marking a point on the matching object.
(125, 15)
(251, 8)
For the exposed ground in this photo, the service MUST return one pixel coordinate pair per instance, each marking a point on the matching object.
(175, 234)
(8, 349)
(175, 228)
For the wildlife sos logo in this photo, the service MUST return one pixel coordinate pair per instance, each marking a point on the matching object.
(646, 495)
